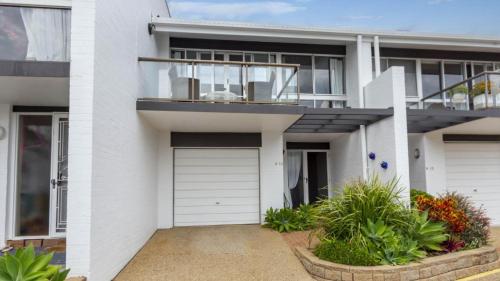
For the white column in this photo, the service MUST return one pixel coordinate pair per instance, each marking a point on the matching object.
(271, 172)
(4, 164)
(359, 48)
(376, 49)
(80, 142)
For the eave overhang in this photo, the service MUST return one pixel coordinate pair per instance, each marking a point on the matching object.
(276, 33)
(427, 120)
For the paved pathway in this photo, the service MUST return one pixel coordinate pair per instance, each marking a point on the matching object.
(236, 253)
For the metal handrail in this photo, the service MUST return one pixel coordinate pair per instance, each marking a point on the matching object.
(244, 65)
(460, 83)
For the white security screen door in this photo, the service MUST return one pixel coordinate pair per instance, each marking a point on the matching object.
(59, 181)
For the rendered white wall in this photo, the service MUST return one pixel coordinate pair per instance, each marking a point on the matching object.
(416, 165)
(271, 172)
(435, 166)
(117, 187)
(346, 159)
(165, 181)
(5, 111)
(388, 138)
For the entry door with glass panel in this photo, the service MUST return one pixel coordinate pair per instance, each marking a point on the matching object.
(308, 177)
(41, 177)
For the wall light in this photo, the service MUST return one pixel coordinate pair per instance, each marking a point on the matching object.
(416, 153)
(3, 133)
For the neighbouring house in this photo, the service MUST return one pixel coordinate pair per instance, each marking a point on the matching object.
(117, 120)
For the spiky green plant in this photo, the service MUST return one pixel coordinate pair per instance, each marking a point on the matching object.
(25, 265)
(388, 246)
(343, 216)
(429, 235)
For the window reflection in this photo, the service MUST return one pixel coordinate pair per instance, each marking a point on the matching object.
(431, 78)
(453, 73)
(410, 68)
(34, 34)
(33, 178)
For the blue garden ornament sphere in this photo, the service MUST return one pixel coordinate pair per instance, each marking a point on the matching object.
(372, 156)
(384, 165)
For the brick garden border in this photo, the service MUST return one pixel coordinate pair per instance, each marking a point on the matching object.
(445, 267)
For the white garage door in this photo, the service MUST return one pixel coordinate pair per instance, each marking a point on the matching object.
(473, 169)
(216, 186)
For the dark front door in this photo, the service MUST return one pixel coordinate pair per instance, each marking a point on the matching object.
(317, 179)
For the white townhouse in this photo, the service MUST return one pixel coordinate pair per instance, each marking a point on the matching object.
(117, 120)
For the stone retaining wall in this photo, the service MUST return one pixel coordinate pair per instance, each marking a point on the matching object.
(440, 268)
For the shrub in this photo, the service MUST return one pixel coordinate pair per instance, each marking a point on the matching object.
(445, 210)
(282, 220)
(342, 216)
(351, 253)
(25, 265)
(453, 244)
(429, 235)
(305, 217)
(414, 193)
(286, 219)
(477, 229)
(390, 247)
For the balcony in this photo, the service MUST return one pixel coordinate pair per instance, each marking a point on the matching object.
(480, 92)
(203, 81)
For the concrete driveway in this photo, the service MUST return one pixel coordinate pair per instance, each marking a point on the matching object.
(236, 252)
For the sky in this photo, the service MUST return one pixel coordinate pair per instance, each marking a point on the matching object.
(471, 17)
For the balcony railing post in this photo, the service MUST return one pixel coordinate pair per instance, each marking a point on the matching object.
(298, 85)
(493, 94)
(246, 82)
(487, 90)
(192, 82)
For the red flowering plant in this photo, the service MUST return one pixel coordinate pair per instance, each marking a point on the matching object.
(468, 225)
(444, 209)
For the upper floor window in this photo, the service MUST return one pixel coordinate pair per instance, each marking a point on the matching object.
(318, 74)
(34, 34)
(431, 78)
(410, 68)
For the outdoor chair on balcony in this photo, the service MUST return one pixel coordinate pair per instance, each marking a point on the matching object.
(261, 91)
(182, 87)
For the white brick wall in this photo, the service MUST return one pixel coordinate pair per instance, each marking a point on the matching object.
(388, 138)
(4, 161)
(113, 162)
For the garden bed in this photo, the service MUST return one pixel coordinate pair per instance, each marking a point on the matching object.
(445, 267)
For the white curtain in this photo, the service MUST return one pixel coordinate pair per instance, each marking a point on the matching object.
(337, 72)
(48, 33)
(294, 165)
